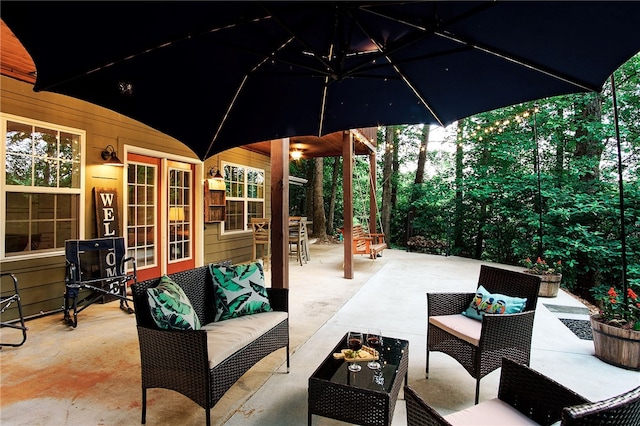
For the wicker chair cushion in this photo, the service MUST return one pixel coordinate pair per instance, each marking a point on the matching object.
(460, 326)
(493, 412)
(227, 337)
(485, 302)
(170, 307)
(239, 290)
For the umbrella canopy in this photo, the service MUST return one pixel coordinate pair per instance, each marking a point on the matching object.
(215, 75)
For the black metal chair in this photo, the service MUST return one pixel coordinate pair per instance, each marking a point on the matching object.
(12, 296)
(503, 335)
(99, 267)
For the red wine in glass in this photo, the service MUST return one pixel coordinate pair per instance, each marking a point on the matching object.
(354, 342)
(374, 340)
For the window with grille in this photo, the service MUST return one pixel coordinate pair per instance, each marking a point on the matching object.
(41, 186)
(245, 196)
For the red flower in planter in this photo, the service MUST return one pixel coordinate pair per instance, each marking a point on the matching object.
(614, 312)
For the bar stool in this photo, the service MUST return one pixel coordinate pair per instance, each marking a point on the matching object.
(261, 237)
(298, 238)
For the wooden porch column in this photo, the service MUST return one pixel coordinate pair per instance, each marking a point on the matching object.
(373, 205)
(280, 213)
(347, 179)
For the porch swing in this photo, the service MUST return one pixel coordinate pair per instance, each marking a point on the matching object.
(365, 242)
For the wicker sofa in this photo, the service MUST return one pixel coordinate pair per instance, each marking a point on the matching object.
(527, 397)
(203, 364)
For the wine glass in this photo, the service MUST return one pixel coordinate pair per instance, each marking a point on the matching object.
(374, 340)
(354, 342)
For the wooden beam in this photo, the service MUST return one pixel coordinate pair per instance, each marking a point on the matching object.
(373, 205)
(280, 213)
(347, 181)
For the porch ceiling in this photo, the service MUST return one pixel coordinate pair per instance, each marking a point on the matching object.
(16, 63)
(14, 59)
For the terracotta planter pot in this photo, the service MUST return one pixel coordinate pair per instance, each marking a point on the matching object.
(616, 346)
(549, 285)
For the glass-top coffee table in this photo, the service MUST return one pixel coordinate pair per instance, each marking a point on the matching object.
(367, 397)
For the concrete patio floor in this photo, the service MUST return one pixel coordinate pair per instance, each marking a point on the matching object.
(91, 375)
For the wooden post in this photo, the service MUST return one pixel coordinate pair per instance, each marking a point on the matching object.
(280, 213)
(347, 179)
(373, 205)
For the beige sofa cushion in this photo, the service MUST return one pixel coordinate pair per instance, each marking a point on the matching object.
(224, 338)
(460, 326)
(493, 412)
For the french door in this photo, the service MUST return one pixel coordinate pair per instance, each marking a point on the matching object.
(180, 200)
(160, 215)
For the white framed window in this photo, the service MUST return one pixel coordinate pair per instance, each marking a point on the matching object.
(245, 195)
(41, 186)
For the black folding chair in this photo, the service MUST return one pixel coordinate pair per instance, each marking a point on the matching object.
(99, 267)
(6, 300)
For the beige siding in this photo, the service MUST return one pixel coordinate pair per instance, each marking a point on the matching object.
(41, 280)
(236, 246)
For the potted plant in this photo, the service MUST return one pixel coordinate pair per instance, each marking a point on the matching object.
(551, 275)
(616, 329)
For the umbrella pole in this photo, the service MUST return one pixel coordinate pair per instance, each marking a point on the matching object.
(623, 238)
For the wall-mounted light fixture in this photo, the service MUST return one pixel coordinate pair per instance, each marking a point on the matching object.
(110, 157)
(296, 155)
(216, 180)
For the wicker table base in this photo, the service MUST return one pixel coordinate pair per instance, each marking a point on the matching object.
(367, 397)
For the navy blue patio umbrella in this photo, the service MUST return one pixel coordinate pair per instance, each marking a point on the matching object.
(215, 75)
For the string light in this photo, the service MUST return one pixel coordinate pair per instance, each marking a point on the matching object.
(500, 125)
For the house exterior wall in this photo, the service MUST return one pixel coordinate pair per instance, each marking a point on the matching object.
(41, 279)
(235, 246)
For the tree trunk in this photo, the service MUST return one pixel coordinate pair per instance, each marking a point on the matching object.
(310, 197)
(395, 172)
(561, 143)
(334, 193)
(422, 160)
(482, 219)
(386, 182)
(458, 238)
(422, 155)
(589, 148)
(589, 145)
(319, 218)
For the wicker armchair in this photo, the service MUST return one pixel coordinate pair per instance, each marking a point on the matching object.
(621, 410)
(525, 394)
(504, 335)
(179, 359)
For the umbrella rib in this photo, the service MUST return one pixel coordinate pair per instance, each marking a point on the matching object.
(240, 87)
(226, 114)
(404, 78)
(323, 103)
(416, 92)
(294, 35)
(131, 56)
(425, 31)
(518, 61)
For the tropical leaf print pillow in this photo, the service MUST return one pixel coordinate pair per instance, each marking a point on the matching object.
(239, 290)
(170, 307)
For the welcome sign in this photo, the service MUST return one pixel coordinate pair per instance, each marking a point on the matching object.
(107, 217)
